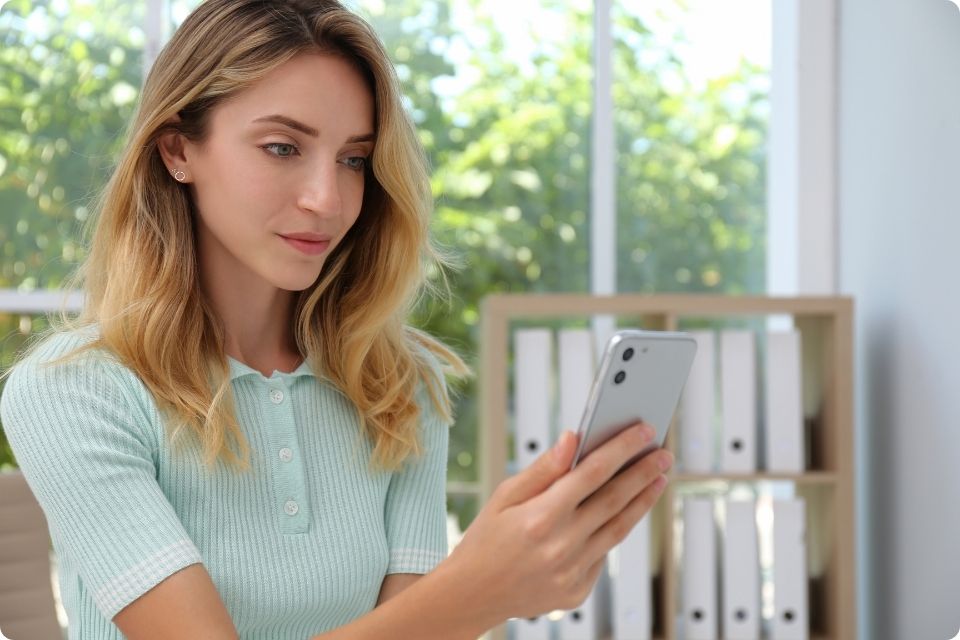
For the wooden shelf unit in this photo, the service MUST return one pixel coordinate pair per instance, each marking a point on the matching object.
(826, 327)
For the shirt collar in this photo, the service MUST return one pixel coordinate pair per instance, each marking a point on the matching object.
(239, 370)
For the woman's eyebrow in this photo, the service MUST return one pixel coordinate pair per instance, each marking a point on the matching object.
(367, 137)
(289, 122)
(310, 131)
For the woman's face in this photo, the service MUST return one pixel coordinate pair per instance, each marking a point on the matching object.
(282, 158)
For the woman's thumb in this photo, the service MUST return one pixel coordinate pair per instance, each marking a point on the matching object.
(563, 449)
(544, 471)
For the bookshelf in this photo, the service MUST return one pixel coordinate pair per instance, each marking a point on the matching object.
(826, 328)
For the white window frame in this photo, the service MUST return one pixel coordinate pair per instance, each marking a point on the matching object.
(802, 165)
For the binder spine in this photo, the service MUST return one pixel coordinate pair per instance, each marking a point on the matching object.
(741, 572)
(791, 620)
(631, 587)
(699, 571)
(698, 408)
(739, 393)
(783, 403)
(533, 376)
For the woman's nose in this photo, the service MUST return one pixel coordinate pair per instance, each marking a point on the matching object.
(321, 191)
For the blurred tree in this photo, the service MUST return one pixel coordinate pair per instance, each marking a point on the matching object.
(70, 73)
(692, 172)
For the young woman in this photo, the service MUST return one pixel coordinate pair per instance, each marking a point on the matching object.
(239, 435)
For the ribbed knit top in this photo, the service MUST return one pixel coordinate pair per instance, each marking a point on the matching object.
(297, 546)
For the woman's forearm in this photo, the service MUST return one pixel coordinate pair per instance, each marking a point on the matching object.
(538, 544)
(442, 605)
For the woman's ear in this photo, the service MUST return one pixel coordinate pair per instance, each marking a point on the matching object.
(172, 147)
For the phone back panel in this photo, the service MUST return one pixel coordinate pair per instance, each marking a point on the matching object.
(652, 381)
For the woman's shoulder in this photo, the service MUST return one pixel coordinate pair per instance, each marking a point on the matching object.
(67, 347)
(66, 359)
(63, 373)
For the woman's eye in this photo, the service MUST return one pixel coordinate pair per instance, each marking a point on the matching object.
(357, 163)
(282, 149)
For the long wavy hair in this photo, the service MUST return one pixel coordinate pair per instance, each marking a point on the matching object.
(141, 273)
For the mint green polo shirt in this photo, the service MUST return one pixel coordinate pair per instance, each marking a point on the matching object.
(297, 546)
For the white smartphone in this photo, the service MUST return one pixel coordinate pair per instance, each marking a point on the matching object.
(641, 377)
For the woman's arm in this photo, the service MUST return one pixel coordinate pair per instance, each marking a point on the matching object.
(394, 583)
(537, 545)
(185, 605)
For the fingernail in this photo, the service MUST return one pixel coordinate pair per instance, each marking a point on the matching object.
(648, 432)
(664, 462)
(561, 443)
(659, 484)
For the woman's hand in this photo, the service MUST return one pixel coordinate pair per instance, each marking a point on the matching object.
(540, 542)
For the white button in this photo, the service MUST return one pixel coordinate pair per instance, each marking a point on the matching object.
(276, 396)
(286, 454)
(291, 508)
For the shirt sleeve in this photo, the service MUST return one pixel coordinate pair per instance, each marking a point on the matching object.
(416, 512)
(86, 452)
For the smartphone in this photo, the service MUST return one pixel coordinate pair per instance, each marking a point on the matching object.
(641, 376)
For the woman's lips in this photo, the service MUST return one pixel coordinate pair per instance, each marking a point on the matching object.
(308, 247)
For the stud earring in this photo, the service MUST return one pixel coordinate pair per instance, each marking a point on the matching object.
(179, 175)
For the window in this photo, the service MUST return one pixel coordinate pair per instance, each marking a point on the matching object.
(502, 93)
(691, 102)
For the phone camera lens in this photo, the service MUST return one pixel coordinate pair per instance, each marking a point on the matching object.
(620, 377)
(628, 354)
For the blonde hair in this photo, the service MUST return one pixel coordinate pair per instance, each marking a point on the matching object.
(141, 278)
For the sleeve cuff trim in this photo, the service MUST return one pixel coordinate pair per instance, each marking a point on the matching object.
(123, 589)
(414, 560)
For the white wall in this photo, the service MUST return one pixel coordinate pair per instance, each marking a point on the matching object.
(899, 256)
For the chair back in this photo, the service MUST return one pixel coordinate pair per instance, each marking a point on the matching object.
(27, 605)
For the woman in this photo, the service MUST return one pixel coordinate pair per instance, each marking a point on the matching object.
(239, 435)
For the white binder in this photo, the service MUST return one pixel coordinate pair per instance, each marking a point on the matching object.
(699, 571)
(741, 572)
(591, 620)
(791, 620)
(533, 373)
(738, 381)
(784, 409)
(576, 375)
(530, 628)
(697, 408)
(630, 586)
